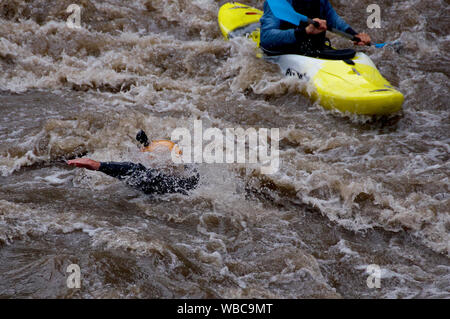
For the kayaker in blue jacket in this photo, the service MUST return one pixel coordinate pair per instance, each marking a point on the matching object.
(280, 37)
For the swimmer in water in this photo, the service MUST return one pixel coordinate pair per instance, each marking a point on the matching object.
(148, 180)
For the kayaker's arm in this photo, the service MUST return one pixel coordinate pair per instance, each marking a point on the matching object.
(278, 39)
(272, 36)
(336, 22)
(365, 39)
(312, 29)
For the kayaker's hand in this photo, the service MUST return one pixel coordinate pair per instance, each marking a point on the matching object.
(85, 163)
(364, 37)
(311, 29)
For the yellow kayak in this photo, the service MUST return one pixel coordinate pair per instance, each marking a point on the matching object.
(356, 87)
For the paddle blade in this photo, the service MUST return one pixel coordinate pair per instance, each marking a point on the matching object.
(284, 11)
(397, 45)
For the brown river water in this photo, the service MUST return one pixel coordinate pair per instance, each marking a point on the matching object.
(350, 191)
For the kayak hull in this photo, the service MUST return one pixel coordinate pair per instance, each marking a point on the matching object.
(354, 86)
(350, 88)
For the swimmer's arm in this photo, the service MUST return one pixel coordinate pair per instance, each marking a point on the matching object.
(114, 169)
(85, 163)
(148, 180)
(121, 170)
(136, 175)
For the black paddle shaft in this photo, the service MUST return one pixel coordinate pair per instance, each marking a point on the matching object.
(341, 33)
(314, 23)
(344, 34)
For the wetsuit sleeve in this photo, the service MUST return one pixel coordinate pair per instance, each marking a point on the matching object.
(120, 170)
(273, 38)
(150, 181)
(334, 20)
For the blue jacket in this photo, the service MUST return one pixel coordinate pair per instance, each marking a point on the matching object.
(280, 36)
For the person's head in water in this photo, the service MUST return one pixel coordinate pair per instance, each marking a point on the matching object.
(157, 148)
(158, 153)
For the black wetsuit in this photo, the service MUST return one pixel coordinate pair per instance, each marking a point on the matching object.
(148, 180)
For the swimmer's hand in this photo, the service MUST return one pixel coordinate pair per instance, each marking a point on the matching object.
(85, 163)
